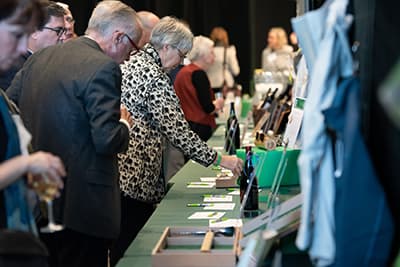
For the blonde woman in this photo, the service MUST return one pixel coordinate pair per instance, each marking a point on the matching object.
(277, 56)
(224, 53)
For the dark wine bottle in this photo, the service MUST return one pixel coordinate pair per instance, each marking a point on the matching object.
(265, 98)
(247, 174)
(269, 99)
(232, 133)
(286, 92)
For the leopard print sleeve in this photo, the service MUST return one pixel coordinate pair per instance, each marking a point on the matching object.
(169, 119)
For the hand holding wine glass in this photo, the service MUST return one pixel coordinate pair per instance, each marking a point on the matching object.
(43, 163)
(46, 171)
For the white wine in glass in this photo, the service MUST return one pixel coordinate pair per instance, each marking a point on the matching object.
(47, 191)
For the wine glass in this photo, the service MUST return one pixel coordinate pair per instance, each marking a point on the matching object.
(47, 191)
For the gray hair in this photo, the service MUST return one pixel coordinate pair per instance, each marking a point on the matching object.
(201, 46)
(111, 15)
(173, 32)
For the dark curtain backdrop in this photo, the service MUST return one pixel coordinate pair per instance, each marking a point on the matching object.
(247, 22)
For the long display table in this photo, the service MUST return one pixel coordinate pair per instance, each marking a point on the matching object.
(173, 210)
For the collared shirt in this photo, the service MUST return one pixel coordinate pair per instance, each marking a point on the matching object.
(149, 96)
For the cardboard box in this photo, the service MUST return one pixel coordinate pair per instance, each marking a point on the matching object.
(184, 246)
(267, 163)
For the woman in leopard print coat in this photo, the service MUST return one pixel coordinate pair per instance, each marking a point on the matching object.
(148, 94)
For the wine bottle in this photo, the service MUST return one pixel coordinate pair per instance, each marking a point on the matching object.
(232, 133)
(286, 92)
(269, 99)
(247, 174)
(265, 98)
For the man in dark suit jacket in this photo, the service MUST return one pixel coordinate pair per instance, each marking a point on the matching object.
(69, 96)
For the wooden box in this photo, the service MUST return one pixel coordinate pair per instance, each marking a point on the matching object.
(195, 247)
(226, 181)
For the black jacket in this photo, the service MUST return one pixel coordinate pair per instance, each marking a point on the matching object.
(69, 97)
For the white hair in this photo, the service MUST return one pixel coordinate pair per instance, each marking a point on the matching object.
(201, 46)
(111, 15)
(171, 31)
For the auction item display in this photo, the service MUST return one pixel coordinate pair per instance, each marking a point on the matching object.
(199, 246)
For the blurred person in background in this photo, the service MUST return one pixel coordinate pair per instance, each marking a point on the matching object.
(148, 94)
(226, 65)
(297, 54)
(69, 23)
(277, 56)
(193, 88)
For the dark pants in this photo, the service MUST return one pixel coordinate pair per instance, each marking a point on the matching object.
(134, 215)
(69, 248)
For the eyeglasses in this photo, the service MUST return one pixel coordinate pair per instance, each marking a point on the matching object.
(133, 44)
(181, 55)
(59, 30)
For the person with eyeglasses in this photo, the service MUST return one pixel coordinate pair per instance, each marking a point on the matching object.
(148, 94)
(19, 244)
(69, 23)
(70, 95)
(49, 34)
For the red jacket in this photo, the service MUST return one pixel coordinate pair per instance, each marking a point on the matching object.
(190, 102)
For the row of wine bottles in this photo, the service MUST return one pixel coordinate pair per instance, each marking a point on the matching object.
(277, 109)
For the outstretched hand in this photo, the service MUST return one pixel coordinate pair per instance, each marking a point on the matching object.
(233, 163)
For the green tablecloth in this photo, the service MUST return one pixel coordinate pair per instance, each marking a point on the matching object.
(172, 211)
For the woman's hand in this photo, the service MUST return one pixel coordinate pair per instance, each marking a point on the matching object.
(233, 163)
(43, 165)
(218, 104)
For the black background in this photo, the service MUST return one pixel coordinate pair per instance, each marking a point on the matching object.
(247, 22)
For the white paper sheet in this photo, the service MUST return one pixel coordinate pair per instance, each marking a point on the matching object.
(208, 179)
(219, 206)
(225, 222)
(201, 185)
(206, 215)
(235, 192)
(217, 198)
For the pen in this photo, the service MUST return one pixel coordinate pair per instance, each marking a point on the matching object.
(231, 189)
(212, 214)
(196, 183)
(220, 220)
(199, 205)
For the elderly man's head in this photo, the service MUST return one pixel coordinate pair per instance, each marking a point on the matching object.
(116, 28)
(149, 20)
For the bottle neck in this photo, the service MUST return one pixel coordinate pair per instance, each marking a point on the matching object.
(232, 111)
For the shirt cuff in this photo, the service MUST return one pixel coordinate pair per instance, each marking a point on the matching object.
(125, 122)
